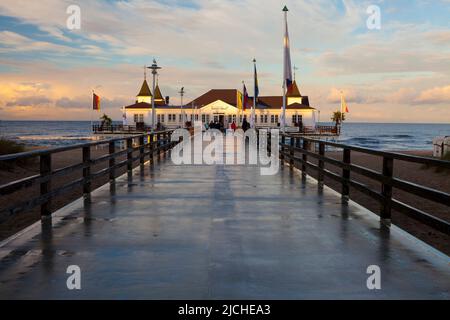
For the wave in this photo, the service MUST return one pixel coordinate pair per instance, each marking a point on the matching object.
(395, 136)
(43, 137)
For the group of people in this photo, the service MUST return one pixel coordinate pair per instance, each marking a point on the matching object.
(233, 126)
(214, 125)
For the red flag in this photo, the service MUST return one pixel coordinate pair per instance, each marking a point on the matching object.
(344, 106)
(245, 98)
(96, 102)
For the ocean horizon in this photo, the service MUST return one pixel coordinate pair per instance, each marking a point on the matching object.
(379, 136)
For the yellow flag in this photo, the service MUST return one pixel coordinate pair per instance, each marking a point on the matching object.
(239, 100)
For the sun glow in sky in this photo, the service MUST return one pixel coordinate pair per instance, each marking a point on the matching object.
(400, 73)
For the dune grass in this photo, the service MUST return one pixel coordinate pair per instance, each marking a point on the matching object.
(8, 147)
(11, 147)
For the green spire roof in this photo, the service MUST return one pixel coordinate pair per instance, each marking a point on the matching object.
(145, 90)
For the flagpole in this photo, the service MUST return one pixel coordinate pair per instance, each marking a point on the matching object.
(342, 104)
(254, 95)
(241, 114)
(92, 107)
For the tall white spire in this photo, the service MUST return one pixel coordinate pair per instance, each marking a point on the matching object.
(287, 51)
(287, 68)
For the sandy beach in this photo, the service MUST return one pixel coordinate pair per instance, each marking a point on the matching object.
(411, 172)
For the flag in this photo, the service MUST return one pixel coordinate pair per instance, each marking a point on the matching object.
(245, 98)
(256, 86)
(287, 53)
(96, 102)
(255, 97)
(344, 106)
(239, 100)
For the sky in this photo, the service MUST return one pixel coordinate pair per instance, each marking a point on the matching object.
(397, 73)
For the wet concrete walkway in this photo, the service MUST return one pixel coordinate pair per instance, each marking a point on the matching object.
(210, 232)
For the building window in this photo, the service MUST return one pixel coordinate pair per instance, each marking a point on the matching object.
(234, 118)
(261, 118)
(272, 118)
(196, 117)
(180, 117)
(138, 118)
(276, 118)
(297, 119)
(203, 117)
(230, 118)
(170, 117)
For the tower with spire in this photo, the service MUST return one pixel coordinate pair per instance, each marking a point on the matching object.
(144, 95)
(158, 95)
(293, 94)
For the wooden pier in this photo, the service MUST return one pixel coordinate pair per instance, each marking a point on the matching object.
(165, 231)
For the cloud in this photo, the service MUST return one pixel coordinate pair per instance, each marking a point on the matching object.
(208, 44)
(31, 101)
(84, 102)
(350, 95)
(435, 96)
(11, 41)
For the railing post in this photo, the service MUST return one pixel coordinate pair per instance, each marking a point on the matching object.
(141, 150)
(291, 151)
(158, 145)
(112, 161)
(298, 143)
(87, 172)
(129, 154)
(386, 189)
(320, 177)
(45, 164)
(164, 143)
(304, 157)
(346, 176)
(257, 140)
(169, 141)
(152, 150)
(283, 141)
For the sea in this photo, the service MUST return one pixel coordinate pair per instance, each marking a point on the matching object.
(380, 136)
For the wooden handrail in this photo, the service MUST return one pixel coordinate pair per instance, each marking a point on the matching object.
(35, 153)
(46, 174)
(385, 177)
(394, 155)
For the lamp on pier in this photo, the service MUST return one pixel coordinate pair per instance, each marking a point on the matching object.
(154, 67)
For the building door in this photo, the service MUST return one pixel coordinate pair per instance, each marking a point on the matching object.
(222, 121)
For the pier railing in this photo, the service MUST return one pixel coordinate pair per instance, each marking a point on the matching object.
(298, 151)
(137, 147)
